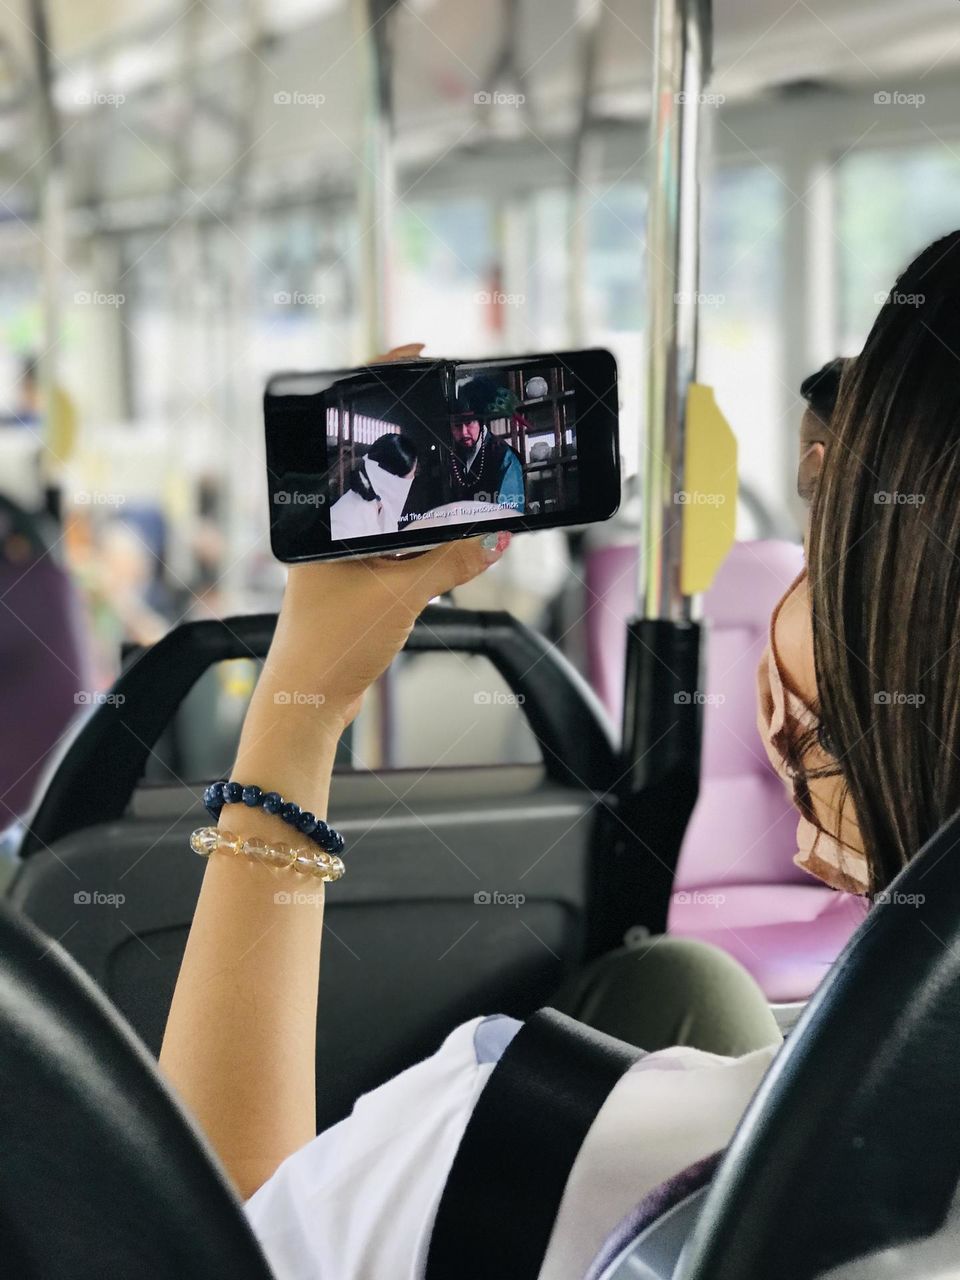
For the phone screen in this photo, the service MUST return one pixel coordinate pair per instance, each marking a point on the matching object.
(403, 455)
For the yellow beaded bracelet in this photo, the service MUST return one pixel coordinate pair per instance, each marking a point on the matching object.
(310, 861)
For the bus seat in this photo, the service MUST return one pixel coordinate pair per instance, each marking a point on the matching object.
(610, 581)
(737, 885)
(102, 1173)
(787, 936)
(43, 671)
(440, 858)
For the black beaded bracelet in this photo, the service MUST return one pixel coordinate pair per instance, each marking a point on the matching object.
(220, 793)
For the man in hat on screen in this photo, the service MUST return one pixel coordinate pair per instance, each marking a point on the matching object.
(483, 467)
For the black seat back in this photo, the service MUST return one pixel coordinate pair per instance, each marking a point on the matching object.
(424, 931)
(852, 1143)
(101, 1174)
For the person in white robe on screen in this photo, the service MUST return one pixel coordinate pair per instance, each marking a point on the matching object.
(377, 490)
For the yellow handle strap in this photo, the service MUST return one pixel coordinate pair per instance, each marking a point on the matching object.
(710, 496)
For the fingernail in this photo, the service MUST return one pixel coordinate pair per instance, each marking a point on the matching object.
(490, 541)
(503, 540)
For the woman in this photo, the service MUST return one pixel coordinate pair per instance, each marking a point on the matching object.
(377, 490)
(859, 640)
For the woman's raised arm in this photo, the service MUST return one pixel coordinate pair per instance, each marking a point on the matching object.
(240, 1041)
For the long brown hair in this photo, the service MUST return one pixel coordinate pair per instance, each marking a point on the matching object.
(884, 567)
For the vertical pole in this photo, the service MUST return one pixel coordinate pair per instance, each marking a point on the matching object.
(376, 181)
(673, 259)
(375, 196)
(662, 717)
(52, 210)
(582, 169)
(241, 388)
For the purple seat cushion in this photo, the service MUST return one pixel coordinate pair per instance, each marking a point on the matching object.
(43, 667)
(787, 935)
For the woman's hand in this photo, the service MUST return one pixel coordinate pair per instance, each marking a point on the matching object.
(343, 622)
(341, 625)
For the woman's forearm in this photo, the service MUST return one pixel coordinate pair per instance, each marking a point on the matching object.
(240, 1042)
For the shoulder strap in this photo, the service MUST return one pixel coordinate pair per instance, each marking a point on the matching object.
(501, 1198)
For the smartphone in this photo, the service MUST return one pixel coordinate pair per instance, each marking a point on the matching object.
(389, 458)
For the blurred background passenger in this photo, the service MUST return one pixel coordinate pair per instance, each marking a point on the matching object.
(820, 391)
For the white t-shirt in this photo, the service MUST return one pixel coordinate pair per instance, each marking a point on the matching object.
(359, 1201)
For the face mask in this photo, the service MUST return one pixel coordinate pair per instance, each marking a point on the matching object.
(828, 841)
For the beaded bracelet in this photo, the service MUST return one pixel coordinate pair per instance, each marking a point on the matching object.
(323, 865)
(307, 824)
